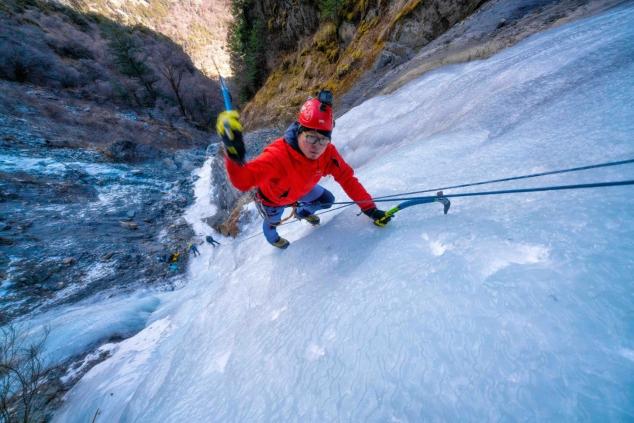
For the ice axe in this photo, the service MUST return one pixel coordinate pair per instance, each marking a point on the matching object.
(439, 197)
(226, 95)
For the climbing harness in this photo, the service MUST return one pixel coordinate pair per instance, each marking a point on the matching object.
(260, 207)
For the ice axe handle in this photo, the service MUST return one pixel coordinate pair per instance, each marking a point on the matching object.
(226, 95)
(388, 215)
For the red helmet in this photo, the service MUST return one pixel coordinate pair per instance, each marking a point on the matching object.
(316, 115)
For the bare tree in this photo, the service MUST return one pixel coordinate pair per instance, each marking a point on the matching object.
(174, 67)
(205, 104)
(22, 375)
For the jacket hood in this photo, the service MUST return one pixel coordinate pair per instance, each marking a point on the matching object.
(290, 136)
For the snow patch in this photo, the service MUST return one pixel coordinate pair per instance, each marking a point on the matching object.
(627, 353)
(500, 256)
(99, 270)
(219, 361)
(132, 353)
(437, 248)
(74, 372)
(277, 313)
(314, 352)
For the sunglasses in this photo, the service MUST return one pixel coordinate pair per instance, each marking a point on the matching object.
(316, 139)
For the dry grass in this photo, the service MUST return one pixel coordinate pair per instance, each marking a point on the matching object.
(321, 62)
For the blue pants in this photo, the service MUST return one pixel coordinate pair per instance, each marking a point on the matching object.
(318, 198)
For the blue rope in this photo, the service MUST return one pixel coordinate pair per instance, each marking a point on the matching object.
(394, 197)
(515, 191)
(492, 181)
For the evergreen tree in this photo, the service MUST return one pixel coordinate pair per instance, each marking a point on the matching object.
(129, 57)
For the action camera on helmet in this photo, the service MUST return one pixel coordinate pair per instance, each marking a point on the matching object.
(326, 98)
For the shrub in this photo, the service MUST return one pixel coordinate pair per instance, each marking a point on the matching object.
(72, 50)
(202, 102)
(91, 70)
(22, 5)
(175, 68)
(69, 77)
(330, 9)
(130, 59)
(23, 64)
(103, 90)
(75, 17)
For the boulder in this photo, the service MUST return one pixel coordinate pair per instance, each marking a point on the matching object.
(346, 33)
(107, 256)
(169, 164)
(126, 151)
(122, 151)
(128, 225)
(6, 241)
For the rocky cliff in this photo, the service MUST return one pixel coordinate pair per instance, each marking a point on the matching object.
(199, 26)
(494, 26)
(364, 48)
(353, 39)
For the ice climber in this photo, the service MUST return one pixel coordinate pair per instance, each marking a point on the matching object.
(287, 172)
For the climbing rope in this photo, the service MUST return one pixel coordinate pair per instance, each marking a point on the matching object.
(520, 190)
(492, 181)
(440, 195)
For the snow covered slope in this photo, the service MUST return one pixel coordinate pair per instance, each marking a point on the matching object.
(513, 307)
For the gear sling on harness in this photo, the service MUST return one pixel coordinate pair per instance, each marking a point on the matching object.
(316, 199)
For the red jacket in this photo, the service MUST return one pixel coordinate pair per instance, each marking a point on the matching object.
(283, 175)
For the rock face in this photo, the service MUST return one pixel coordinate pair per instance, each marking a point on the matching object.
(430, 38)
(287, 21)
(309, 52)
(423, 24)
(373, 47)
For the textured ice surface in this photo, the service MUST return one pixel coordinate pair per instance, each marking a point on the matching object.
(509, 308)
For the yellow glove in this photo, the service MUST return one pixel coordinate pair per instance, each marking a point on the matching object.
(229, 128)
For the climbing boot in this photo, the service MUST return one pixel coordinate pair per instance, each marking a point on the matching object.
(281, 243)
(311, 218)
